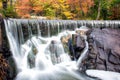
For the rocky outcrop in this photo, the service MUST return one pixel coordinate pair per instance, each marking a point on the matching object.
(7, 63)
(104, 50)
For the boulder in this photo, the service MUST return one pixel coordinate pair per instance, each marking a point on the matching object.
(104, 50)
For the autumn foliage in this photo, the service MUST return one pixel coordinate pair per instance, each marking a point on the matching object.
(62, 9)
(66, 9)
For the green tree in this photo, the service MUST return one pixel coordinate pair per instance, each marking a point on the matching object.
(7, 9)
(9, 12)
(49, 10)
(100, 10)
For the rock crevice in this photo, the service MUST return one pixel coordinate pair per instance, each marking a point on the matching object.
(104, 50)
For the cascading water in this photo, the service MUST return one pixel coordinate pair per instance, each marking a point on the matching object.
(33, 57)
(30, 42)
(84, 53)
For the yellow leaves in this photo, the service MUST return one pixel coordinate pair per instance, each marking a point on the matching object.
(68, 14)
(64, 6)
(61, 1)
(56, 6)
(0, 5)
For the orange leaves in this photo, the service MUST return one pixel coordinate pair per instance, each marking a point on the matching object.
(37, 9)
(83, 5)
(68, 8)
(23, 8)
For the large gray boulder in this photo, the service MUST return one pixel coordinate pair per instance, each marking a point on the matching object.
(104, 50)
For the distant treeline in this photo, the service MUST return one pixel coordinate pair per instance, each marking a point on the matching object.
(62, 9)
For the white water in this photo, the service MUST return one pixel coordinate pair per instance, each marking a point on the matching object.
(84, 53)
(104, 75)
(46, 65)
(44, 68)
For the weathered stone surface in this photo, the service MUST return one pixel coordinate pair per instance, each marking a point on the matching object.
(104, 50)
(8, 65)
(4, 68)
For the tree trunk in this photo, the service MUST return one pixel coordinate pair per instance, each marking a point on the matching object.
(4, 4)
(99, 10)
(11, 3)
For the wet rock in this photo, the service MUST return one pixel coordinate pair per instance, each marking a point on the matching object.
(104, 49)
(7, 64)
(12, 68)
(4, 68)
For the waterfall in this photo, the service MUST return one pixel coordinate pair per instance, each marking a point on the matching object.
(30, 43)
(83, 54)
